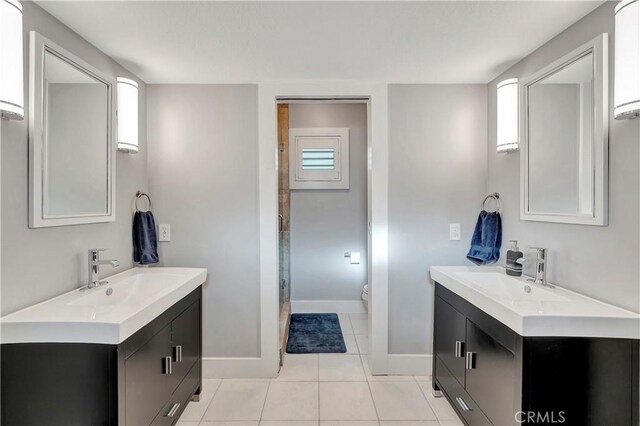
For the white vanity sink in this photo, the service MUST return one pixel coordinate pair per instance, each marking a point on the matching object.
(533, 310)
(106, 314)
(133, 290)
(508, 289)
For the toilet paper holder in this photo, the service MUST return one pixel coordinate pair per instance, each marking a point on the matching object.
(354, 257)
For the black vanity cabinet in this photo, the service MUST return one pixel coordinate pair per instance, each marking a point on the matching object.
(147, 379)
(493, 376)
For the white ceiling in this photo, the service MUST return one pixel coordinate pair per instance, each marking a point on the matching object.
(240, 42)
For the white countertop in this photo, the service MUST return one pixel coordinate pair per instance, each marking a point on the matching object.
(107, 314)
(540, 311)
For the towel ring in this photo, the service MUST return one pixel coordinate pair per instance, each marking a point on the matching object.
(495, 197)
(139, 195)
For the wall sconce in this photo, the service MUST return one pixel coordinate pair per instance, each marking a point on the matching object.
(507, 112)
(11, 52)
(127, 115)
(627, 60)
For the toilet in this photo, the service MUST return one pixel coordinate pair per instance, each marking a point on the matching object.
(365, 296)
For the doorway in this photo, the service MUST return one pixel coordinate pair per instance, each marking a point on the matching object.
(323, 232)
(376, 96)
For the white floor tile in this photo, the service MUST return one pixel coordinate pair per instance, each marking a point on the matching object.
(346, 401)
(400, 401)
(288, 423)
(299, 368)
(360, 326)
(363, 343)
(229, 423)
(187, 423)
(410, 423)
(440, 406)
(451, 423)
(349, 423)
(370, 377)
(358, 316)
(339, 367)
(292, 401)
(195, 410)
(237, 401)
(345, 324)
(350, 342)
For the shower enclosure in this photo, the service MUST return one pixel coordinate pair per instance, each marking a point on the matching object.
(283, 228)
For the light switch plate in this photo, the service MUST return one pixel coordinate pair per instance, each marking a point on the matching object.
(164, 232)
(454, 231)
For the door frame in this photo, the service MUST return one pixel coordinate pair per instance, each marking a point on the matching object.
(375, 95)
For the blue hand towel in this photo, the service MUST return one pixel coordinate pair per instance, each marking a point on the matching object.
(145, 240)
(487, 239)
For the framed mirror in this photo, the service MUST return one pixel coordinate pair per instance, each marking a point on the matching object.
(71, 138)
(564, 136)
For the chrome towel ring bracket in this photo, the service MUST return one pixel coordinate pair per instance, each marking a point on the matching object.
(496, 198)
(140, 195)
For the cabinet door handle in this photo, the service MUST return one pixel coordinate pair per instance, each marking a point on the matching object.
(166, 365)
(174, 409)
(470, 361)
(177, 353)
(459, 351)
(462, 404)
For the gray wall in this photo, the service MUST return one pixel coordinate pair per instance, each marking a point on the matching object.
(203, 177)
(601, 262)
(327, 223)
(38, 264)
(437, 172)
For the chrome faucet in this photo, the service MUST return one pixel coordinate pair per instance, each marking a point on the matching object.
(541, 267)
(94, 267)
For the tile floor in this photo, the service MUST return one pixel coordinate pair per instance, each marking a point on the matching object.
(323, 390)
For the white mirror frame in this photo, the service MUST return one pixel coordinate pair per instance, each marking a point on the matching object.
(599, 48)
(38, 45)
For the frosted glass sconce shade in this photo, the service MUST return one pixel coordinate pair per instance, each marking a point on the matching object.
(127, 115)
(627, 60)
(507, 112)
(11, 53)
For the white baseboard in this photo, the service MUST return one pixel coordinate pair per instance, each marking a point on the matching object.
(410, 364)
(235, 368)
(328, 306)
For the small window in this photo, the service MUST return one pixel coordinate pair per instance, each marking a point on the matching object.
(319, 158)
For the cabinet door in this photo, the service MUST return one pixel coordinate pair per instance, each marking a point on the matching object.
(185, 341)
(490, 371)
(148, 387)
(449, 330)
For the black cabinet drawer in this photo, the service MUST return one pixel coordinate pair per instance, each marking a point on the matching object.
(490, 376)
(185, 341)
(465, 406)
(450, 338)
(148, 386)
(180, 398)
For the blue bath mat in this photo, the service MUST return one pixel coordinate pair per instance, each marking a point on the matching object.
(315, 333)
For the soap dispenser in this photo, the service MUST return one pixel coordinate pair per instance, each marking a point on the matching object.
(513, 254)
